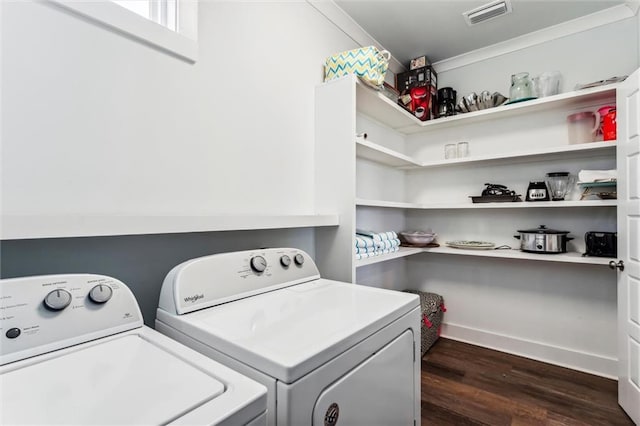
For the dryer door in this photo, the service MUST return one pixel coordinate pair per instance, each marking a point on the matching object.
(379, 391)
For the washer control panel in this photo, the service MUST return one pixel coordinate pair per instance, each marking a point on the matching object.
(220, 278)
(44, 313)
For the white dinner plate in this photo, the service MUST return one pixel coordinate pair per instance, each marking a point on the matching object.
(473, 245)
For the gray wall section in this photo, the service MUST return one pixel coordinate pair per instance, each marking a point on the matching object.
(140, 261)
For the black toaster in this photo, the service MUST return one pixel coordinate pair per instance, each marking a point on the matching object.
(601, 244)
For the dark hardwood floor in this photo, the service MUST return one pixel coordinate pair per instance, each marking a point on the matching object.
(464, 384)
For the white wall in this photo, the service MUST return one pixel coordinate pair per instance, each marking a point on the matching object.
(599, 53)
(96, 123)
(560, 313)
(548, 311)
(93, 122)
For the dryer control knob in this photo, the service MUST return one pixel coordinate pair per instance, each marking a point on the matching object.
(100, 293)
(57, 299)
(258, 263)
(299, 259)
(285, 260)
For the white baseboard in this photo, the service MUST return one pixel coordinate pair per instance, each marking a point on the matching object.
(564, 357)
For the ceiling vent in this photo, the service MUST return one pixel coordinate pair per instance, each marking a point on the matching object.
(487, 12)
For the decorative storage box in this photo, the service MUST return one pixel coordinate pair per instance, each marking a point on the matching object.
(419, 77)
(368, 63)
(433, 309)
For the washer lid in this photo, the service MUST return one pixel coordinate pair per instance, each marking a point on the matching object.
(126, 380)
(289, 332)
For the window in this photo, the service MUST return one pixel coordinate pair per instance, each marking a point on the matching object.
(163, 12)
(168, 25)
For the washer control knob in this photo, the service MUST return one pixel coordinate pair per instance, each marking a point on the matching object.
(57, 299)
(258, 263)
(100, 293)
(285, 260)
(299, 259)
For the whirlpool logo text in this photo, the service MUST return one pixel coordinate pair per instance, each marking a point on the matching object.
(194, 298)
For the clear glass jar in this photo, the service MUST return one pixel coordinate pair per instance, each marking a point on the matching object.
(520, 86)
(450, 151)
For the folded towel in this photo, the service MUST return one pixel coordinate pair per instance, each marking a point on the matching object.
(377, 236)
(359, 256)
(387, 244)
(374, 252)
(597, 175)
(362, 241)
(362, 250)
(387, 235)
(390, 250)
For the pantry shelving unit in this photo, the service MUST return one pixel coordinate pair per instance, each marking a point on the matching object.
(397, 179)
(346, 107)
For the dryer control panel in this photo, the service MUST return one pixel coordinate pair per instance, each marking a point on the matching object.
(44, 313)
(220, 278)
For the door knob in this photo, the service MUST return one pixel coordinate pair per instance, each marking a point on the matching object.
(614, 265)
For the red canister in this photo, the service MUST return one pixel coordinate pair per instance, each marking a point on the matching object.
(609, 126)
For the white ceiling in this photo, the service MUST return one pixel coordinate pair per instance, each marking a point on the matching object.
(409, 29)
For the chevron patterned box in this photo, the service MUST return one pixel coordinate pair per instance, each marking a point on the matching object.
(368, 63)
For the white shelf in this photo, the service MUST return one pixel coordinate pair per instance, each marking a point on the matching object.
(403, 252)
(380, 154)
(563, 100)
(388, 204)
(470, 205)
(26, 227)
(377, 106)
(572, 257)
(517, 254)
(585, 149)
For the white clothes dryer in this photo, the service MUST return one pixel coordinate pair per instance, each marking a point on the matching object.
(329, 353)
(74, 351)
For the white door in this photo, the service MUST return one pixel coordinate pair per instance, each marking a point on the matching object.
(628, 164)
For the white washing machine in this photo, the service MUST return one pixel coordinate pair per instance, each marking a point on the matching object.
(329, 353)
(74, 351)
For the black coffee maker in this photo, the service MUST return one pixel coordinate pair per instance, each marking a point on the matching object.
(446, 102)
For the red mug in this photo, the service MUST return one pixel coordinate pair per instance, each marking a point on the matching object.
(609, 126)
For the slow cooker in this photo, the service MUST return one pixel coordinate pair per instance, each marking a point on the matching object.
(543, 240)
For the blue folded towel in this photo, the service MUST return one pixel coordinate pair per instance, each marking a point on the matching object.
(362, 250)
(362, 241)
(377, 236)
(387, 244)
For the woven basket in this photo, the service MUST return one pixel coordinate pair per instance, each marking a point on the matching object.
(368, 63)
(433, 309)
